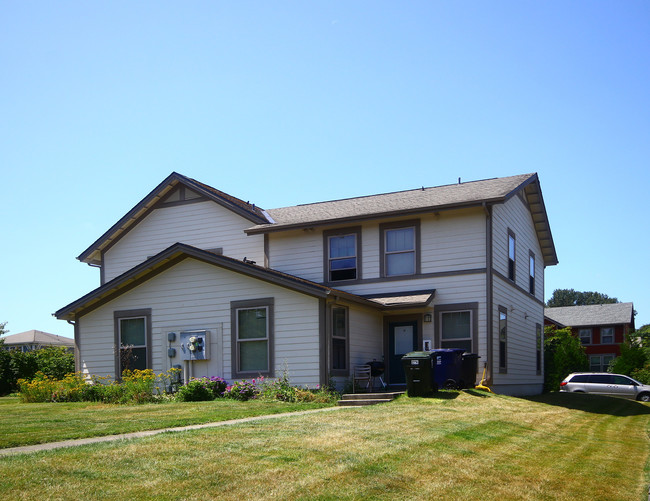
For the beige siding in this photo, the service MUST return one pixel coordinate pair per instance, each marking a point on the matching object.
(450, 241)
(366, 336)
(195, 295)
(206, 225)
(523, 311)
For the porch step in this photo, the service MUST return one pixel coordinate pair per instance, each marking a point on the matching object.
(357, 399)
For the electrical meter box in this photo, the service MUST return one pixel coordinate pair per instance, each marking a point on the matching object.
(195, 345)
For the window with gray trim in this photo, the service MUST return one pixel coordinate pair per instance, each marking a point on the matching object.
(512, 255)
(585, 336)
(540, 346)
(456, 326)
(252, 337)
(503, 339)
(399, 248)
(341, 252)
(133, 340)
(531, 273)
(339, 363)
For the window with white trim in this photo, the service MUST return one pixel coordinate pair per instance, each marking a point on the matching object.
(585, 336)
(600, 363)
(607, 335)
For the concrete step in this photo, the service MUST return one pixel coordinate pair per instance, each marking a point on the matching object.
(355, 399)
(365, 401)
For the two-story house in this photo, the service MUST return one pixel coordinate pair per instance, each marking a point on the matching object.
(601, 328)
(196, 278)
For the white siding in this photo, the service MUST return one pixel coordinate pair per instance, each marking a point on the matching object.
(205, 225)
(524, 313)
(196, 295)
(366, 336)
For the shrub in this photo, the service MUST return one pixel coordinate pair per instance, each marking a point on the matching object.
(563, 354)
(217, 386)
(53, 361)
(195, 390)
(242, 390)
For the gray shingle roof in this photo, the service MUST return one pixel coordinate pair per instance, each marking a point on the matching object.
(37, 337)
(591, 315)
(418, 200)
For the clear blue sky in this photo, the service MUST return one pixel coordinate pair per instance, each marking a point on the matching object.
(282, 103)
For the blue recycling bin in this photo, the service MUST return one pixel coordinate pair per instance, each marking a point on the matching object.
(448, 365)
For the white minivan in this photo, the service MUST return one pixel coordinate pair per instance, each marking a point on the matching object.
(604, 383)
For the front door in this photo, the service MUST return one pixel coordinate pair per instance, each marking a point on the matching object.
(402, 339)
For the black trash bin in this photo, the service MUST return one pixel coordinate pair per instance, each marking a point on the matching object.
(469, 369)
(419, 371)
(447, 370)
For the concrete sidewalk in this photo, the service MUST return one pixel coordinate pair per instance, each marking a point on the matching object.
(139, 434)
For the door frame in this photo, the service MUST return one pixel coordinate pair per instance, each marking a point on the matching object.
(417, 319)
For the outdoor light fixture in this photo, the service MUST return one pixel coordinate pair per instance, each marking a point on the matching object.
(427, 317)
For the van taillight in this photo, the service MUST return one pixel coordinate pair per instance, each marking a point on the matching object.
(563, 383)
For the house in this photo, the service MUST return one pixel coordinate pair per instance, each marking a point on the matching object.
(35, 340)
(602, 328)
(195, 278)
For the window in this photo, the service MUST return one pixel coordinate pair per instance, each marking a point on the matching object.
(341, 254)
(252, 336)
(399, 248)
(511, 255)
(607, 335)
(540, 347)
(456, 330)
(339, 341)
(133, 339)
(531, 273)
(503, 339)
(585, 336)
(599, 363)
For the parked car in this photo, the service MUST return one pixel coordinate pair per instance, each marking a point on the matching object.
(604, 383)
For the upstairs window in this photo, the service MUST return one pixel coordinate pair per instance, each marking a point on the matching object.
(399, 248)
(511, 255)
(531, 273)
(342, 255)
(585, 336)
(607, 335)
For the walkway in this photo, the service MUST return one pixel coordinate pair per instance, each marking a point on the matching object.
(140, 434)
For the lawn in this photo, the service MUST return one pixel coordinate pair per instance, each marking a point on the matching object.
(28, 424)
(459, 446)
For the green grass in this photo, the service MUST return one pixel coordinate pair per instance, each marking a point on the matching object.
(465, 446)
(28, 424)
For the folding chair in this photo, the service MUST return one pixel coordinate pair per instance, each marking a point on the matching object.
(361, 377)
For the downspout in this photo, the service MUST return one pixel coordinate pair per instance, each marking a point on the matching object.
(77, 361)
(489, 292)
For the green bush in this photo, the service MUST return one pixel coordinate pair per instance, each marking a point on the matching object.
(53, 361)
(563, 354)
(632, 357)
(196, 390)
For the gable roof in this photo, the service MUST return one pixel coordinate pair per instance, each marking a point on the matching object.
(37, 337)
(453, 196)
(249, 211)
(179, 252)
(592, 315)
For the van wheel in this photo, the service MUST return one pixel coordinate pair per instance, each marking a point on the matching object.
(644, 397)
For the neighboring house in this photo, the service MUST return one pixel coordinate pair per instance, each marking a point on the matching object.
(35, 340)
(196, 278)
(601, 328)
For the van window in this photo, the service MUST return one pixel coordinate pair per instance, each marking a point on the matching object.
(622, 380)
(601, 378)
(580, 378)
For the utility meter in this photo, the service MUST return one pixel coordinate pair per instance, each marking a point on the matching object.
(194, 345)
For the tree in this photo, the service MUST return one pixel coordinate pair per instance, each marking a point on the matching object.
(2, 328)
(563, 354)
(570, 297)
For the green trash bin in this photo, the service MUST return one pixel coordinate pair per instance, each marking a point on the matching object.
(419, 370)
